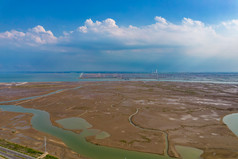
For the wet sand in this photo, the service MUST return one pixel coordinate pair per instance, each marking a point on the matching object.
(190, 113)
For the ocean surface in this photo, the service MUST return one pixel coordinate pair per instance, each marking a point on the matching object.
(223, 78)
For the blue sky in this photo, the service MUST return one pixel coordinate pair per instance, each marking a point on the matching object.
(123, 35)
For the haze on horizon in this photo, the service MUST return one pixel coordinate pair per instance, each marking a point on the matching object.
(126, 35)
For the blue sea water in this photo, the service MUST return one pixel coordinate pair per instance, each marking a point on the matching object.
(226, 78)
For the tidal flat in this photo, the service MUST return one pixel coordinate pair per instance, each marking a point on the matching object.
(139, 116)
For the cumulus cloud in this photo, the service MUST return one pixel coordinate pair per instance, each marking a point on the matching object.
(107, 25)
(33, 37)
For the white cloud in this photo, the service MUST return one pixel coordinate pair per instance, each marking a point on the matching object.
(34, 37)
(233, 24)
(12, 35)
(160, 19)
(106, 27)
(190, 37)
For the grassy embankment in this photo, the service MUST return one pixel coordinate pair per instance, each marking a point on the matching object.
(23, 149)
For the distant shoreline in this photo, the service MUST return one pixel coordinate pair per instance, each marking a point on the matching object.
(218, 78)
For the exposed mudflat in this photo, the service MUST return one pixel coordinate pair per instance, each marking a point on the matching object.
(190, 113)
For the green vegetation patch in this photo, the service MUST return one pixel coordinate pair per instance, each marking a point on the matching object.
(2, 156)
(50, 157)
(123, 141)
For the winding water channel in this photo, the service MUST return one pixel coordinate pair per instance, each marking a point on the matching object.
(166, 148)
(77, 142)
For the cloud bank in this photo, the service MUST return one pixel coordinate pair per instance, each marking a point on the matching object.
(190, 43)
(189, 37)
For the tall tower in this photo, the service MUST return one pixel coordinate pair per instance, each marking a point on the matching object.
(45, 144)
(157, 75)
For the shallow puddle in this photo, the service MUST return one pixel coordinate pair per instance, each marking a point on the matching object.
(74, 123)
(231, 121)
(102, 135)
(77, 123)
(189, 152)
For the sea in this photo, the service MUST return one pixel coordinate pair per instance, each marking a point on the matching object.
(222, 78)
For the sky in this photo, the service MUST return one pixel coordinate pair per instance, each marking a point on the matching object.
(122, 35)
